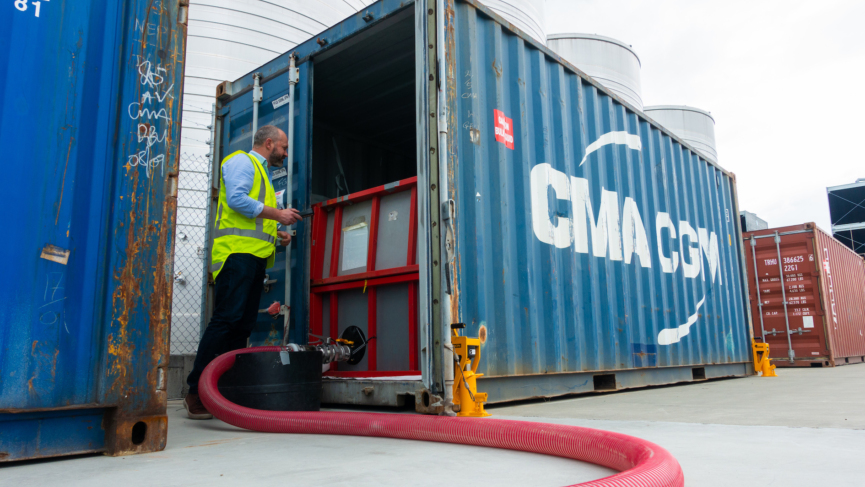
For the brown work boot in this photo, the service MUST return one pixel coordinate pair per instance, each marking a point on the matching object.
(194, 408)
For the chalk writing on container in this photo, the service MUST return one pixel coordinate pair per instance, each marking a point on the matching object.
(152, 116)
(51, 310)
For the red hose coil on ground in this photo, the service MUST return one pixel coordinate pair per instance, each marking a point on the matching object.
(640, 463)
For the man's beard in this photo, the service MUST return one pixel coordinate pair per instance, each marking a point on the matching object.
(273, 161)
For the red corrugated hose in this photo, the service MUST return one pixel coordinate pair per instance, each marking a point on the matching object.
(639, 462)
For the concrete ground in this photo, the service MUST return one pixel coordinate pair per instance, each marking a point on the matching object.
(804, 428)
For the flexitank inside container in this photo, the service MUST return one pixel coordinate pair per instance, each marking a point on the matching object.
(817, 317)
(591, 248)
(91, 94)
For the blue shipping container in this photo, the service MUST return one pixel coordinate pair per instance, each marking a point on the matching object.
(90, 107)
(589, 247)
(587, 237)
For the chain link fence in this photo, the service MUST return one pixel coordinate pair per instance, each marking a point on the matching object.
(190, 252)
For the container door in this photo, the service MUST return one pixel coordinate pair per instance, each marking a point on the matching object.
(95, 88)
(802, 317)
(235, 124)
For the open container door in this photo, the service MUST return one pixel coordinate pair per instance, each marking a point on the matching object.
(234, 133)
(361, 154)
(364, 275)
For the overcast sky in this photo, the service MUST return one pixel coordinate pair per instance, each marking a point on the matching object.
(784, 80)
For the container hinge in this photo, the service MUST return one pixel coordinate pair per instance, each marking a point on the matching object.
(293, 74)
(223, 91)
(448, 212)
(183, 12)
(257, 91)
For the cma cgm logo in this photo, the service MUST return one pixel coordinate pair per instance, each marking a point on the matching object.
(620, 234)
(617, 234)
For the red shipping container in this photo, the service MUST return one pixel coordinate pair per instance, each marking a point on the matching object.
(817, 318)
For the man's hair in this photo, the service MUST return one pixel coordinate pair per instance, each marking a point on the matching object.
(264, 133)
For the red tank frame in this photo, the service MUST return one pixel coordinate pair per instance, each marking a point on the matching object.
(370, 279)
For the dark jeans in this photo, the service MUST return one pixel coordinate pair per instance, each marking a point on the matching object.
(237, 293)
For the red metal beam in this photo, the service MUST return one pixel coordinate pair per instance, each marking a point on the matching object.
(412, 229)
(315, 310)
(330, 288)
(319, 237)
(337, 238)
(390, 188)
(367, 275)
(334, 322)
(372, 329)
(371, 373)
(373, 234)
(412, 326)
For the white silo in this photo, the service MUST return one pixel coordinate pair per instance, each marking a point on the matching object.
(610, 62)
(527, 15)
(694, 126)
(225, 40)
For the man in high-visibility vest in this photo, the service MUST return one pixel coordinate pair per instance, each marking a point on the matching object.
(244, 238)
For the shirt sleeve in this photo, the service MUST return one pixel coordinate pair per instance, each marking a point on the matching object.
(238, 175)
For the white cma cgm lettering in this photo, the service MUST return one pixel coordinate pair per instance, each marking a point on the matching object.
(612, 238)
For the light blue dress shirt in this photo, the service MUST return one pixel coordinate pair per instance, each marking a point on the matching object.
(238, 173)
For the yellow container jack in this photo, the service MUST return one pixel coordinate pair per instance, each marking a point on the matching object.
(762, 363)
(467, 356)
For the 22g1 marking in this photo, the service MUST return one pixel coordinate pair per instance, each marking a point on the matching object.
(22, 6)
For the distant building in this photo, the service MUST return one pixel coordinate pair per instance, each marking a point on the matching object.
(751, 222)
(847, 214)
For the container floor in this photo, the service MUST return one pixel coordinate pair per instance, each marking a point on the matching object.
(800, 429)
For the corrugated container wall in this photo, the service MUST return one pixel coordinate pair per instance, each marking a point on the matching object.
(591, 240)
(817, 318)
(593, 249)
(92, 90)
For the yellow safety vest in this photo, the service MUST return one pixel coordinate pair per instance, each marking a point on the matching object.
(235, 233)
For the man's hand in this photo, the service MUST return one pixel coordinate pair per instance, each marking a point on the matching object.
(289, 216)
(284, 238)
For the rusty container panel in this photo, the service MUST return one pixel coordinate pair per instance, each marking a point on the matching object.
(807, 296)
(90, 110)
(595, 249)
(843, 274)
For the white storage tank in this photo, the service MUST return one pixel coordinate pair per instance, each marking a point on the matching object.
(611, 62)
(694, 126)
(527, 15)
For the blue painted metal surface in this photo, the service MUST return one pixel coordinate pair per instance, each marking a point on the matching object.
(591, 241)
(91, 104)
(594, 241)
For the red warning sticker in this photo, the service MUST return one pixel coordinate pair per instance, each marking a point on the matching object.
(504, 129)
